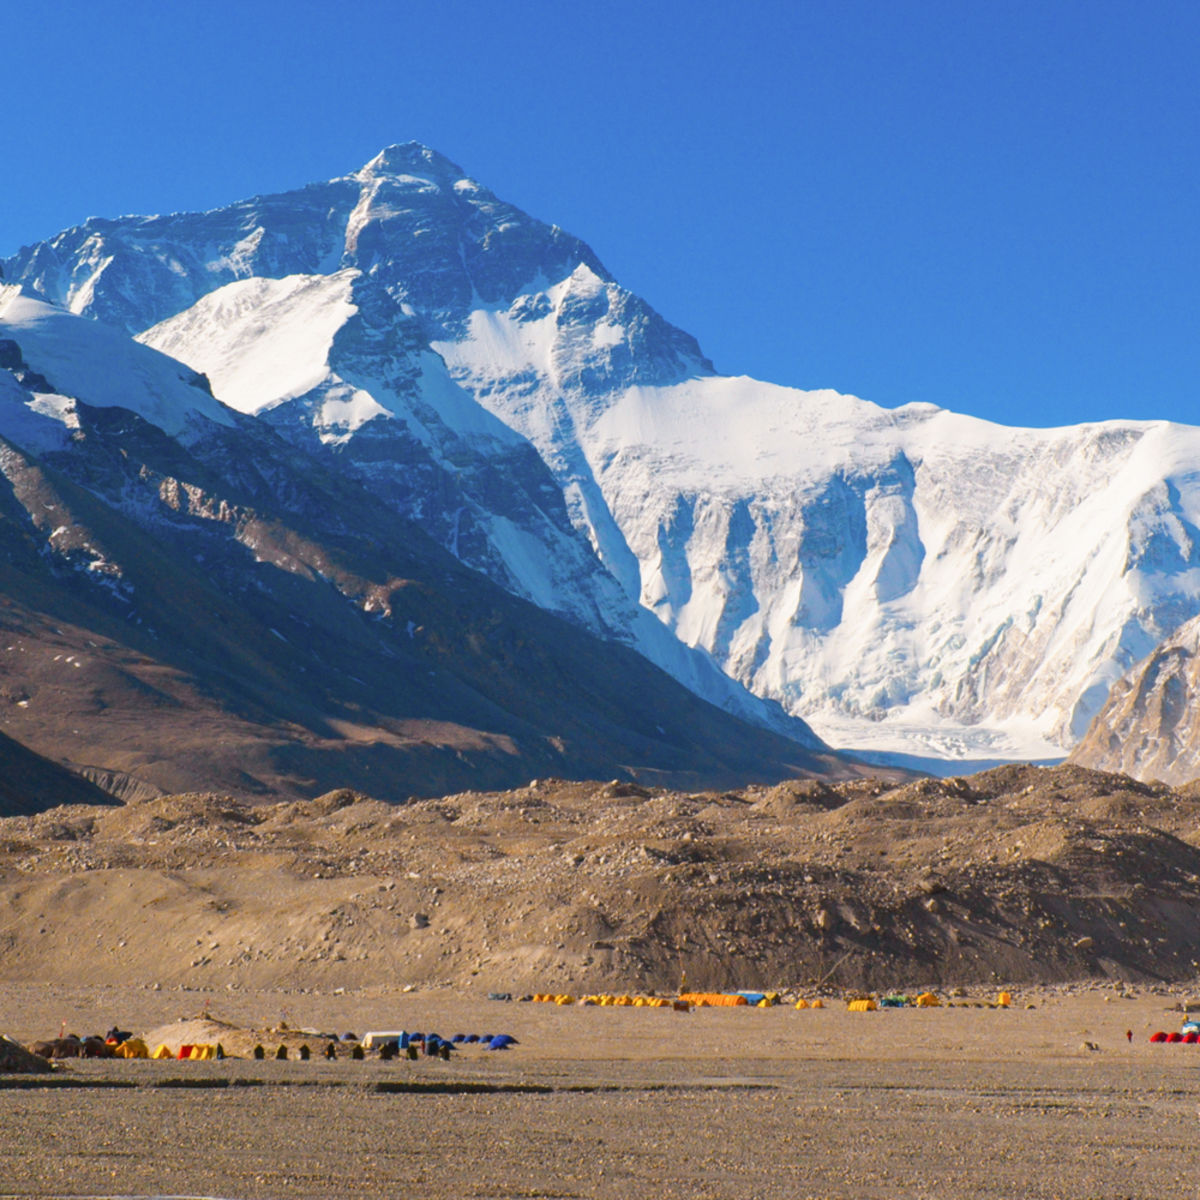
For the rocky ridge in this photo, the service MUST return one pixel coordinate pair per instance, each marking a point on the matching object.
(1020, 873)
(1150, 724)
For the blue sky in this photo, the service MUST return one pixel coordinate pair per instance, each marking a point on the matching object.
(992, 207)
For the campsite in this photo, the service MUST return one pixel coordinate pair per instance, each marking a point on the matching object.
(618, 1100)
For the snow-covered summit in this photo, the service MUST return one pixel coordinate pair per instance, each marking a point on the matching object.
(414, 159)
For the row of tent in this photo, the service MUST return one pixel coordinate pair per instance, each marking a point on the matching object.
(684, 1000)
(402, 1039)
(924, 1000)
(601, 1000)
(1190, 1038)
(135, 1047)
(130, 1047)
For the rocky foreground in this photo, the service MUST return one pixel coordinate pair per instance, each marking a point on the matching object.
(1019, 874)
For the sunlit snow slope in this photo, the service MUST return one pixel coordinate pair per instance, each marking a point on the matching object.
(908, 580)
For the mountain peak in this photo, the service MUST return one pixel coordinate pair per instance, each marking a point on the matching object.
(407, 158)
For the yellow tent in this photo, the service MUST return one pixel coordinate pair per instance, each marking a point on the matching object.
(133, 1048)
(928, 1000)
(162, 1052)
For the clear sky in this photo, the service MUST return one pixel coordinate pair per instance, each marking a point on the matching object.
(990, 206)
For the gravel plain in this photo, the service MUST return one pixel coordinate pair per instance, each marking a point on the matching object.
(600, 1102)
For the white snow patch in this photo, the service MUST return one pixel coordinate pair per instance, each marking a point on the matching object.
(102, 366)
(261, 341)
(605, 333)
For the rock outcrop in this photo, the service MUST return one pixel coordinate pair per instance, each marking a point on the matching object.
(1150, 726)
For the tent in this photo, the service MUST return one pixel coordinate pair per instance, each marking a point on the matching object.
(132, 1048)
(163, 1051)
(375, 1036)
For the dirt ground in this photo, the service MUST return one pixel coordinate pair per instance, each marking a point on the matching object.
(599, 1102)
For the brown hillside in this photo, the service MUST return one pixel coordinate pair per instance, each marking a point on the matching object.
(1020, 873)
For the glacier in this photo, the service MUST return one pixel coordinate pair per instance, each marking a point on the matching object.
(907, 581)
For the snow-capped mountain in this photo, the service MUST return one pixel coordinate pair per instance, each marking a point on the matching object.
(906, 580)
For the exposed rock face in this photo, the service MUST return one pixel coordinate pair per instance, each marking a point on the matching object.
(1150, 725)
